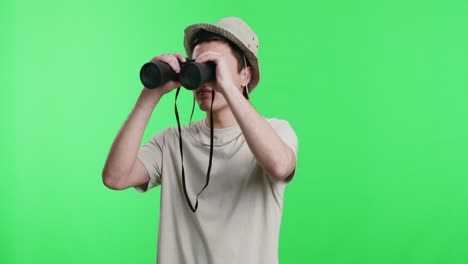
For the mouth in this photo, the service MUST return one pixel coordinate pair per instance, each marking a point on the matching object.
(204, 92)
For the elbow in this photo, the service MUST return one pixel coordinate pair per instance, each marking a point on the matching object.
(110, 181)
(282, 170)
(280, 173)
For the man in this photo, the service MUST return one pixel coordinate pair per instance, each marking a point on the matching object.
(236, 218)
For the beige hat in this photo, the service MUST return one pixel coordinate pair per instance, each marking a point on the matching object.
(235, 30)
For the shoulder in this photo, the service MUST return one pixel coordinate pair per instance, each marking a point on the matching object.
(284, 130)
(161, 136)
(278, 123)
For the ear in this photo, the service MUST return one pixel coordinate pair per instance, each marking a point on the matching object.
(246, 75)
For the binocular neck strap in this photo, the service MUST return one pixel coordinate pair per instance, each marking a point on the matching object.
(194, 208)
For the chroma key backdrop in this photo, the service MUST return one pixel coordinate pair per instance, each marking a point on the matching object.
(377, 92)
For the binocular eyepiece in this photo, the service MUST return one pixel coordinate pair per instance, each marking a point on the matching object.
(192, 74)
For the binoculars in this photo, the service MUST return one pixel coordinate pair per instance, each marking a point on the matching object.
(192, 74)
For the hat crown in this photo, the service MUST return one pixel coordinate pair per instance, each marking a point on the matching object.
(242, 31)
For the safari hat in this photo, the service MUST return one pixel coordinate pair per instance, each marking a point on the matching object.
(235, 30)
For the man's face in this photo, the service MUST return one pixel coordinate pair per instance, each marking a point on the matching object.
(203, 93)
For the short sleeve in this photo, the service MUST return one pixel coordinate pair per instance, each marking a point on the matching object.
(287, 134)
(151, 155)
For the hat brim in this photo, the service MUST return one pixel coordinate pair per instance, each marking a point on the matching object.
(191, 31)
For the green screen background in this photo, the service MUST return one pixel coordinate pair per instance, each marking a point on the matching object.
(375, 90)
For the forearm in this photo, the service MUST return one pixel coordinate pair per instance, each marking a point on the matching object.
(126, 145)
(276, 158)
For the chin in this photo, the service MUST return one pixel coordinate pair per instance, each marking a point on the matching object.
(205, 106)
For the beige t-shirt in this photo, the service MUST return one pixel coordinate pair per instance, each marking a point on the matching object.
(239, 213)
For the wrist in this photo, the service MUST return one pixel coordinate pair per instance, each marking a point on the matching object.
(230, 90)
(149, 98)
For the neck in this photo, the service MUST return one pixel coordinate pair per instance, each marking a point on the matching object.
(222, 118)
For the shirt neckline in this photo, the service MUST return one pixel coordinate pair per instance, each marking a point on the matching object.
(221, 136)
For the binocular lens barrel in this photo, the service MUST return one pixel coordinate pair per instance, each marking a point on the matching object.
(155, 74)
(192, 74)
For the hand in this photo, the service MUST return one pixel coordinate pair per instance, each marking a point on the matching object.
(224, 78)
(173, 61)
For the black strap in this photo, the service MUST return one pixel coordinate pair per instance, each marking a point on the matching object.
(193, 108)
(194, 208)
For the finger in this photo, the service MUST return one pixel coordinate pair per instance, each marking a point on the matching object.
(157, 58)
(172, 61)
(208, 57)
(180, 57)
(174, 84)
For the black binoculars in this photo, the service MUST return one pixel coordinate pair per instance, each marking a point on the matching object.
(192, 74)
